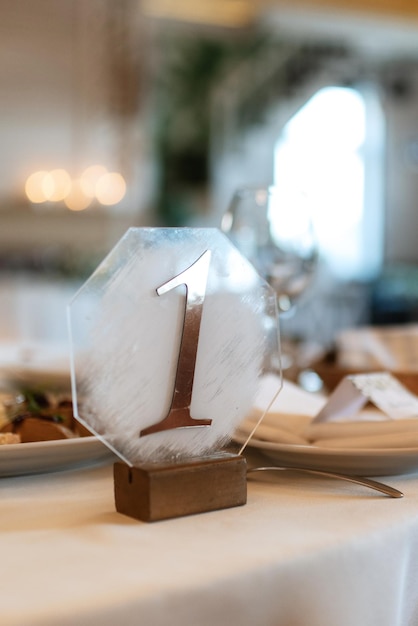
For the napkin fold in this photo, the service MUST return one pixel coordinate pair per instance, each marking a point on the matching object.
(384, 441)
(362, 433)
(274, 432)
(290, 421)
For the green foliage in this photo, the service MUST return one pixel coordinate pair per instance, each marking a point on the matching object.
(190, 69)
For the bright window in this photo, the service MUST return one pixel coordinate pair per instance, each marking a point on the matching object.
(332, 157)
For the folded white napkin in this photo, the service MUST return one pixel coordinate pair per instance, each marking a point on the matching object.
(289, 421)
(287, 418)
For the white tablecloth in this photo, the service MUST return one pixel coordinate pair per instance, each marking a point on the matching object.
(304, 551)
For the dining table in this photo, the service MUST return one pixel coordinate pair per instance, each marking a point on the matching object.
(305, 550)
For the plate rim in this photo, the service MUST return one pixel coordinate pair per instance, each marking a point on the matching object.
(326, 451)
(46, 457)
(354, 461)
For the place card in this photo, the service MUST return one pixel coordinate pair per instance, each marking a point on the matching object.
(380, 388)
(171, 338)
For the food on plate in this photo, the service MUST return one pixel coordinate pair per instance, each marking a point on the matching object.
(35, 415)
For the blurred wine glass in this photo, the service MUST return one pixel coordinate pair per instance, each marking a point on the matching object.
(273, 229)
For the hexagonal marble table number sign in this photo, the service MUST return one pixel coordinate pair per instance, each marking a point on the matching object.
(171, 338)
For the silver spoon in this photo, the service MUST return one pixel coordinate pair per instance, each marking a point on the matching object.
(359, 480)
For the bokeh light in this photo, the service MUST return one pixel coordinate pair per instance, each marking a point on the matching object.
(95, 183)
(110, 188)
(77, 200)
(59, 182)
(90, 178)
(34, 187)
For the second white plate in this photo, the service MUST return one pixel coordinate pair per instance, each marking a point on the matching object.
(364, 462)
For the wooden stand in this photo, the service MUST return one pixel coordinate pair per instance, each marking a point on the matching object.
(161, 491)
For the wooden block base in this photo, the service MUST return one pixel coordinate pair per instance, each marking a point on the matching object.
(160, 491)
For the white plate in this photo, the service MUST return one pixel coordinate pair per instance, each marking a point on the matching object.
(364, 462)
(51, 456)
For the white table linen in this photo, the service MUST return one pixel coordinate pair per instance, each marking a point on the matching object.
(304, 551)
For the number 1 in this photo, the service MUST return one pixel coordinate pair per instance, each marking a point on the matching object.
(195, 280)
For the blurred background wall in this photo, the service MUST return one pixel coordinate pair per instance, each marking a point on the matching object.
(176, 103)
